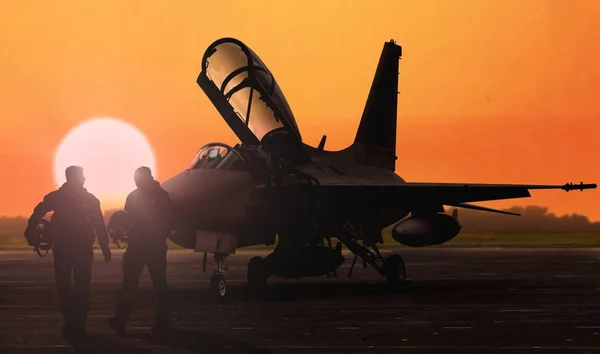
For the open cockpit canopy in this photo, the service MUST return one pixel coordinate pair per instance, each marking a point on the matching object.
(245, 93)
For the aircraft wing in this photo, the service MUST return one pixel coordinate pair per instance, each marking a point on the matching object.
(436, 193)
(452, 193)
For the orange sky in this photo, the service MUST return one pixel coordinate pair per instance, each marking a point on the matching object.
(493, 91)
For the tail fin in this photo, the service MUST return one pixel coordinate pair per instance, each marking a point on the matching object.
(375, 141)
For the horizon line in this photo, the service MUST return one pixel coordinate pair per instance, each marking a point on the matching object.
(550, 212)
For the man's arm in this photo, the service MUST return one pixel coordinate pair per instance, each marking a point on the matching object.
(127, 206)
(132, 209)
(100, 229)
(168, 209)
(43, 208)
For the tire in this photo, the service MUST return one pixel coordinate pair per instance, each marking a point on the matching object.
(218, 286)
(395, 270)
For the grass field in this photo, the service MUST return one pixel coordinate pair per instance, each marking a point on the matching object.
(462, 240)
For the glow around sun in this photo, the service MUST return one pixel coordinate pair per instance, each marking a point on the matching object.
(109, 150)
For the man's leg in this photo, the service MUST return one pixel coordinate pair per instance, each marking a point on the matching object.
(157, 267)
(82, 277)
(62, 274)
(133, 264)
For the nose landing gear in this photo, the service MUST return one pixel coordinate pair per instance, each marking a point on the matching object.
(218, 285)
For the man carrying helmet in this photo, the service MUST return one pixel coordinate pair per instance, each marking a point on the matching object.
(149, 210)
(77, 221)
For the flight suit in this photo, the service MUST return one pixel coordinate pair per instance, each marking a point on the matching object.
(150, 211)
(77, 221)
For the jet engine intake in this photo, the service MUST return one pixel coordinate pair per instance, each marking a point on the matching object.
(426, 230)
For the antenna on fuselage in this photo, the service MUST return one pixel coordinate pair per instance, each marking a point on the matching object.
(322, 143)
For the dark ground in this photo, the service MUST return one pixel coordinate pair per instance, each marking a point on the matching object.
(459, 300)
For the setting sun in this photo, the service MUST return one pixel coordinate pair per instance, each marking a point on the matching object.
(109, 150)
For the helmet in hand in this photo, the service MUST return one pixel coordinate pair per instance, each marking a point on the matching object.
(118, 227)
(43, 239)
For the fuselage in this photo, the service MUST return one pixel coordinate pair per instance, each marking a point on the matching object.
(225, 200)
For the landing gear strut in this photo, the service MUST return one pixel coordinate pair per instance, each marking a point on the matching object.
(218, 285)
(393, 267)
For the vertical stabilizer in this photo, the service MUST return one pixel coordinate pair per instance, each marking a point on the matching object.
(375, 141)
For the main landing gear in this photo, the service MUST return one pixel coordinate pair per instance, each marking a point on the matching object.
(392, 268)
(395, 270)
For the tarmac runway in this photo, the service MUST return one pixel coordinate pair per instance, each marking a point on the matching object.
(458, 301)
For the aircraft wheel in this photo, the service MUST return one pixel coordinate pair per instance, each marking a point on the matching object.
(395, 270)
(218, 285)
(257, 275)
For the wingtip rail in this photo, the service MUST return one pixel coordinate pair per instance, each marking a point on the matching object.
(581, 186)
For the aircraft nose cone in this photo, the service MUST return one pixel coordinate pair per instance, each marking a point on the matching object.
(209, 194)
(181, 187)
(179, 180)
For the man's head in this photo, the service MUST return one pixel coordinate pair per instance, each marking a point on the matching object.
(75, 176)
(143, 177)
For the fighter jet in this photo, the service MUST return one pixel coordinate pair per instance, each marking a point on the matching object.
(272, 188)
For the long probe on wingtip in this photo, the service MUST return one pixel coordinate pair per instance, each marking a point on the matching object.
(581, 186)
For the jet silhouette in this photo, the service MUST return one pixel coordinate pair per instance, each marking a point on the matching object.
(272, 188)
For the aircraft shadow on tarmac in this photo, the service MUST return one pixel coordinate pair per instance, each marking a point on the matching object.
(189, 340)
(177, 340)
(95, 344)
(417, 291)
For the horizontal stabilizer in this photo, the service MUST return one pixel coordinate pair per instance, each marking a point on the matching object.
(480, 208)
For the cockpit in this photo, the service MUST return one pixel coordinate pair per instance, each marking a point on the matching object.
(218, 156)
